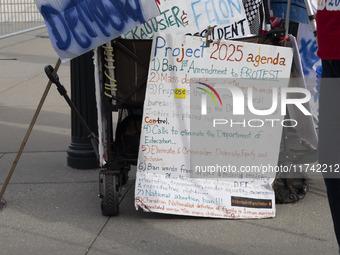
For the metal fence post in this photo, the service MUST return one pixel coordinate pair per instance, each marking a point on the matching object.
(18, 16)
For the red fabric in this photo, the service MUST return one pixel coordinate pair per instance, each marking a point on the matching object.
(328, 31)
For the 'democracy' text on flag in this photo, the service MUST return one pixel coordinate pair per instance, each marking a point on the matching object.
(77, 26)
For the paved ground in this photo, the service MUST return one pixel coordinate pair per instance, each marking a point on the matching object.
(54, 209)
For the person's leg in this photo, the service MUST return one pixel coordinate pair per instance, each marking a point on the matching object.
(329, 135)
(333, 192)
(329, 115)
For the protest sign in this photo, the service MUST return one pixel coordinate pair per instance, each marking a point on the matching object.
(306, 131)
(311, 64)
(174, 134)
(76, 27)
(227, 17)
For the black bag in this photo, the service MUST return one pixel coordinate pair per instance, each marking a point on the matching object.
(128, 136)
(290, 188)
(132, 59)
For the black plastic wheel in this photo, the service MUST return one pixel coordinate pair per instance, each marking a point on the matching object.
(110, 199)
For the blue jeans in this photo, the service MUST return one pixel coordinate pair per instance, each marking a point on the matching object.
(329, 135)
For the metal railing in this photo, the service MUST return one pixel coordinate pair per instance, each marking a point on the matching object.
(18, 16)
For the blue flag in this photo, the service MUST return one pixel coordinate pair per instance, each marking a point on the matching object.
(298, 12)
(77, 26)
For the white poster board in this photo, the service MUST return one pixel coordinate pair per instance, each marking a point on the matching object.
(166, 181)
(226, 17)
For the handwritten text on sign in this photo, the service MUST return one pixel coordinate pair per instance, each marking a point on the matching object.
(76, 27)
(227, 17)
(172, 122)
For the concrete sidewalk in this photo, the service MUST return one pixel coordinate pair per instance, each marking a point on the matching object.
(54, 209)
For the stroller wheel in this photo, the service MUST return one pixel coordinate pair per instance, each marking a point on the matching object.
(110, 195)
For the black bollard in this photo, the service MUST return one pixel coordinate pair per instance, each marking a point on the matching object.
(81, 154)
